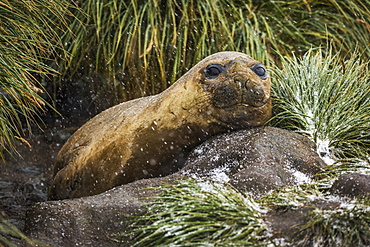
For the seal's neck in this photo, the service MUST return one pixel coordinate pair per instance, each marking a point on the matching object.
(187, 103)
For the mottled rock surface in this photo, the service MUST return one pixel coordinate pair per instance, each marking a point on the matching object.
(90, 221)
(352, 185)
(255, 161)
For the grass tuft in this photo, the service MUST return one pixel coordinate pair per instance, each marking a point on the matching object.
(347, 225)
(138, 48)
(328, 99)
(295, 196)
(28, 38)
(199, 214)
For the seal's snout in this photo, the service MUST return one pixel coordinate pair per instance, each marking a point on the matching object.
(252, 81)
(256, 95)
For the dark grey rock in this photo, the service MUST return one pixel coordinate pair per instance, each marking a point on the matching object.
(286, 224)
(95, 220)
(256, 160)
(352, 185)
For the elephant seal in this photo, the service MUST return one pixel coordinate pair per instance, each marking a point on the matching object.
(152, 136)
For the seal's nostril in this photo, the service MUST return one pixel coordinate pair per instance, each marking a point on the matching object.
(246, 84)
(259, 96)
(239, 83)
(256, 92)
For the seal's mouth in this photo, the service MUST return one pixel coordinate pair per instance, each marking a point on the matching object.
(245, 115)
(253, 94)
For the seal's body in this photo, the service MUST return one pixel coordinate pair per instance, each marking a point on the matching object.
(152, 136)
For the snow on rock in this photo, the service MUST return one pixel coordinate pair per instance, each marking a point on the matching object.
(256, 160)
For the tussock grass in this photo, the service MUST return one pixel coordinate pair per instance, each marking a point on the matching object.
(28, 36)
(347, 225)
(141, 47)
(295, 196)
(136, 48)
(199, 214)
(300, 25)
(215, 214)
(328, 99)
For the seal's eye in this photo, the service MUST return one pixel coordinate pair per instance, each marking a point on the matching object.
(213, 70)
(260, 70)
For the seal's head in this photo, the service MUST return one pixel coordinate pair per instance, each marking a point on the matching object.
(238, 88)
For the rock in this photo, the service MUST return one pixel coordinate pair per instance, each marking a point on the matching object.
(286, 225)
(256, 160)
(351, 185)
(95, 220)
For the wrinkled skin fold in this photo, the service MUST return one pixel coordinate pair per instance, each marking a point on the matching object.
(152, 136)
